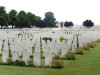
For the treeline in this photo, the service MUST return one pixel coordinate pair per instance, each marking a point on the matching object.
(28, 20)
(25, 20)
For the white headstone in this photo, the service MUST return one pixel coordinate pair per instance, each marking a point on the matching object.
(15, 55)
(5, 56)
(37, 58)
(26, 56)
(48, 58)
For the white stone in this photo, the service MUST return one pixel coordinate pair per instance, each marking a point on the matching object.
(48, 58)
(37, 58)
(5, 56)
(26, 57)
(15, 55)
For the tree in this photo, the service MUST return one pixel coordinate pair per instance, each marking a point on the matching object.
(21, 24)
(32, 18)
(2, 10)
(23, 20)
(50, 19)
(12, 17)
(68, 24)
(3, 16)
(40, 23)
(38, 18)
(88, 23)
(2, 21)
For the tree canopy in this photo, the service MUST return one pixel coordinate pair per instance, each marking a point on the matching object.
(50, 19)
(19, 20)
(32, 18)
(68, 24)
(40, 23)
(12, 17)
(23, 20)
(3, 16)
(88, 23)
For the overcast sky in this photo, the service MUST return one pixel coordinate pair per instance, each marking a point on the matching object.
(71, 10)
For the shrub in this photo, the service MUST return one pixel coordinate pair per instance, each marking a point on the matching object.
(98, 40)
(19, 63)
(61, 38)
(57, 63)
(86, 47)
(2, 63)
(70, 56)
(92, 45)
(9, 61)
(30, 63)
(56, 56)
(79, 50)
(31, 56)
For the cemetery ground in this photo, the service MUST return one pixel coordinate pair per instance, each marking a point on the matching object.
(85, 64)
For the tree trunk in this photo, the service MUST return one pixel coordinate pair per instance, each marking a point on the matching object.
(12, 26)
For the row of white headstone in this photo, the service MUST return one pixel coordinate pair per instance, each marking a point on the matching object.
(22, 46)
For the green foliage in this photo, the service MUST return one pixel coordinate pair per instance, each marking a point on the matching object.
(49, 19)
(2, 63)
(31, 56)
(2, 10)
(94, 43)
(19, 63)
(3, 16)
(56, 56)
(61, 38)
(9, 61)
(57, 63)
(2, 21)
(98, 40)
(32, 18)
(30, 63)
(38, 18)
(12, 17)
(24, 20)
(91, 45)
(70, 56)
(86, 47)
(79, 50)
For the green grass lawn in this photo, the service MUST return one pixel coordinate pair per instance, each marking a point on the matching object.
(86, 64)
